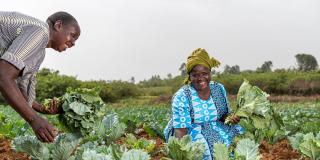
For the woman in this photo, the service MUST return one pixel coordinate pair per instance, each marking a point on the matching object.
(200, 106)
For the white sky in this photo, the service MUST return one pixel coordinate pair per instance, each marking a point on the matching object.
(141, 38)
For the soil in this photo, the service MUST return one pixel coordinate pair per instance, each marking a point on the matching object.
(6, 153)
(281, 150)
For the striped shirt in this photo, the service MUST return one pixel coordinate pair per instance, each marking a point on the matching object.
(23, 40)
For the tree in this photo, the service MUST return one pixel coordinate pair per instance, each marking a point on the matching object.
(231, 70)
(132, 80)
(169, 76)
(266, 67)
(213, 72)
(183, 69)
(306, 62)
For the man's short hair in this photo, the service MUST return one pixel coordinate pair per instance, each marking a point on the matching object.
(65, 17)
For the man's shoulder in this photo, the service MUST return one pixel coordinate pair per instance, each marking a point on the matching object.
(22, 20)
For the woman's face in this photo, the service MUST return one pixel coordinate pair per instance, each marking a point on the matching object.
(200, 77)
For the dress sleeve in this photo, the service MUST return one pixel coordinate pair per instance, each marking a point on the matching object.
(28, 42)
(180, 109)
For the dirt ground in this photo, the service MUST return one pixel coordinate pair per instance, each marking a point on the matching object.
(6, 153)
(281, 150)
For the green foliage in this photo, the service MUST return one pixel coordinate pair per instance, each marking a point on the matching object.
(114, 90)
(135, 154)
(11, 124)
(220, 151)
(247, 150)
(80, 108)
(307, 144)
(61, 149)
(51, 84)
(107, 130)
(266, 67)
(231, 70)
(306, 62)
(185, 149)
(258, 114)
(142, 143)
(295, 114)
(90, 151)
(157, 91)
(183, 69)
(153, 119)
(279, 83)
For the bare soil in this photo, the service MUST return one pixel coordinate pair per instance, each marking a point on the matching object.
(6, 153)
(281, 150)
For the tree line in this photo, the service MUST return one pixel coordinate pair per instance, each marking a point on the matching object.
(303, 80)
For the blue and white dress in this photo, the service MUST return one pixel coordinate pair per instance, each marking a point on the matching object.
(202, 119)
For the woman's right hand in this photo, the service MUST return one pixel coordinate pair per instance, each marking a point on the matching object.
(180, 132)
(44, 131)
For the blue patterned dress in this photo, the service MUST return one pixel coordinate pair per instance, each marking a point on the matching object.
(203, 119)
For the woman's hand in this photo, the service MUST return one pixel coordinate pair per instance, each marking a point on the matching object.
(231, 119)
(234, 119)
(180, 132)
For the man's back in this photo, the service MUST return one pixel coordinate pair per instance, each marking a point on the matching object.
(12, 24)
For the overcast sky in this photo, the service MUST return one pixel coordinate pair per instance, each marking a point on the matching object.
(121, 39)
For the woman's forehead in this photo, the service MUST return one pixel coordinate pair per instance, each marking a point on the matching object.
(199, 67)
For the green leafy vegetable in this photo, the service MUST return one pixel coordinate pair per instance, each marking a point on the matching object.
(185, 149)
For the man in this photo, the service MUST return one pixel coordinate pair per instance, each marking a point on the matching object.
(23, 40)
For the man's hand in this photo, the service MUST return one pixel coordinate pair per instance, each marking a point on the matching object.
(11, 92)
(44, 131)
(54, 107)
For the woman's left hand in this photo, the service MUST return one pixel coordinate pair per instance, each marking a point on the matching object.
(234, 119)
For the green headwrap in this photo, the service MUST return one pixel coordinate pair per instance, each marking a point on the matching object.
(200, 56)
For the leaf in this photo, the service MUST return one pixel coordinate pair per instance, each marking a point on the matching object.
(185, 149)
(93, 155)
(248, 149)
(310, 149)
(91, 98)
(80, 108)
(64, 146)
(220, 152)
(31, 146)
(260, 122)
(135, 154)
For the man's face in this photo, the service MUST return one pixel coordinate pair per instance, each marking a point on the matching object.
(200, 77)
(67, 36)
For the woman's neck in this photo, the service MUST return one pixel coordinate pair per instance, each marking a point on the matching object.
(204, 94)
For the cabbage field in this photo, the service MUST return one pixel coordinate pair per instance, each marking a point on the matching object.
(92, 130)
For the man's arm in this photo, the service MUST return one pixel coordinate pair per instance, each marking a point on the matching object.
(10, 91)
(35, 105)
(54, 109)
